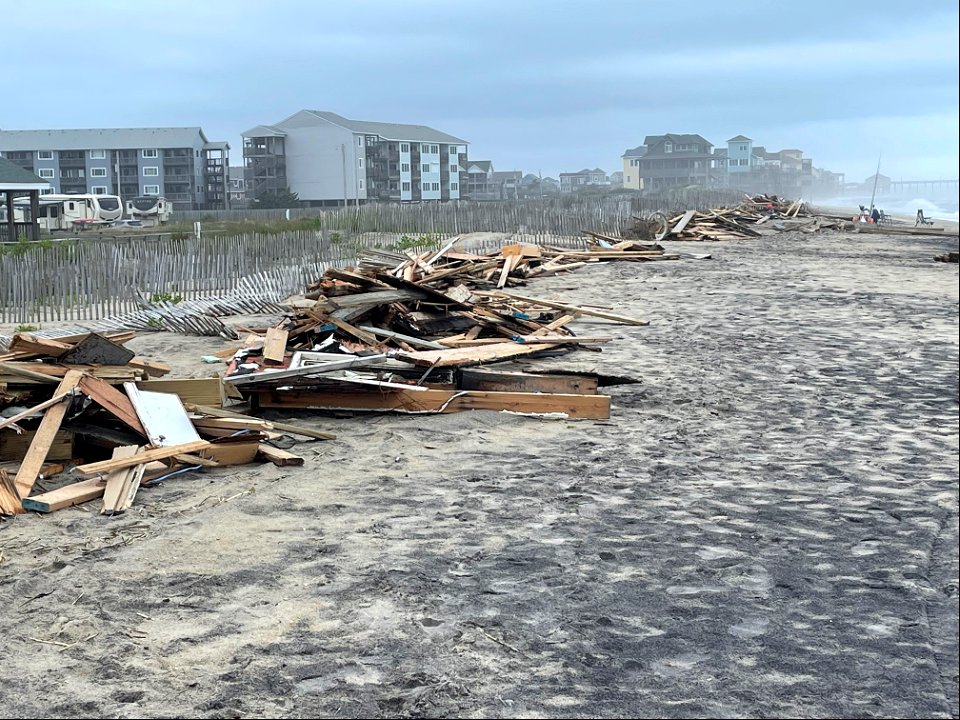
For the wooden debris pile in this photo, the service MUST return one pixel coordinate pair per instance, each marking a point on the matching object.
(398, 333)
(86, 418)
(735, 223)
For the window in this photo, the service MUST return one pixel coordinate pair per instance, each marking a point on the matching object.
(151, 171)
(453, 149)
(46, 173)
(425, 167)
(152, 153)
(436, 187)
(98, 172)
(99, 189)
(46, 191)
(744, 162)
(361, 184)
(405, 147)
(454, 169)
(359, 141)
(668, 147)
(454, 187)
(360, 162)
(44, 154)
(628, 178)
(405, 187)
(404, 167)
(425, 148)
(98, 154)
(154, 189)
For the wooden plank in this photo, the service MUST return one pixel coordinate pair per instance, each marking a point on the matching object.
(74, 494)
(418, 342)
(44, 347)
(275, 347)
(373, 298)
(14, 447)
(284, 427)
(278, 457)
(26, 373)
(37, 454)
(197, 391)
(232, 453)
(117, 482)
(35, 409)
(499, 381)
(153, 368)
(459, 357)
(161, 453)
(434, 401)
(231, 424)
(113, 401)
(687, 217)
(304, 370)
(571, 308)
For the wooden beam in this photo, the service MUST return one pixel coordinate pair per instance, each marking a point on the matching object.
(26, 373)
(74, 494)
(570, 308)
(498, 381)
(278, 457)
(434, 401)
(284, 427)
(162, 453)
(37, 454)
(117, 482)
(113, 401)
(459, 357)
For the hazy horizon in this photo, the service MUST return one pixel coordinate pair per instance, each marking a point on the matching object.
(539, 87)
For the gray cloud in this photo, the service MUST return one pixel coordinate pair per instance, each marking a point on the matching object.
(533, 85)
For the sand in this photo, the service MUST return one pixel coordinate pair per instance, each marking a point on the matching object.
(766, 526)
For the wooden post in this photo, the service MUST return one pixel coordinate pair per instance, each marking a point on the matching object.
(11, 225)
(34, 214)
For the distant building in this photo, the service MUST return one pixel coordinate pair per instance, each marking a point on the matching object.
(327, 159)
(673, 160)
(480, 184)
(238, 187)
(179, 164)
(572, 182)
(509, 183)
(631, 167)
(616, 179)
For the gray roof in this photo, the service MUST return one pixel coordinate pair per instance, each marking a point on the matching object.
(100, 139)
(682, 138)
(389, 131)
(638, 151)
(12, 175)
(236, 172)
(483, 165)
(740, 138)
(264, 131)
(219, 145)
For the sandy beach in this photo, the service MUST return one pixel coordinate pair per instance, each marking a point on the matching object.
(766, 526)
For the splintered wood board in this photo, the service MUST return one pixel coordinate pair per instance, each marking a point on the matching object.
(595, 407)
(460, 357)
(198, 391)
(497, 381)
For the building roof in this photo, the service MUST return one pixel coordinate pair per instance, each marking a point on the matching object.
(389, 131)
(638, 151)
(96, 139)
(236, 172)
(507, 174)
(740, 138)
(483, 165)
(682, 139)
(219, 145)
(14, 177)
(264, 131)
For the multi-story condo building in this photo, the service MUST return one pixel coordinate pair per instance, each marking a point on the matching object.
(327, 159)
(238, 187)
(179, 164)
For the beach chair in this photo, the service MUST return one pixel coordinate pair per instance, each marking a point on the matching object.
(921, 220)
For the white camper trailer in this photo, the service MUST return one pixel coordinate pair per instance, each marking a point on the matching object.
(150, 209)
(72, 212)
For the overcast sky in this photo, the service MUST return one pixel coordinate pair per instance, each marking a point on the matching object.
(537, 86)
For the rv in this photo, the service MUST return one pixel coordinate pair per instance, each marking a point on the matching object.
(71, 212)
(150, 209)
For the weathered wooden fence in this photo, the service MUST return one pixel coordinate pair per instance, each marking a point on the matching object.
(87, 279)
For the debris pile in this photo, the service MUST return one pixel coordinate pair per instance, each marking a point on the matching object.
(404, 333)
(88, 404)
